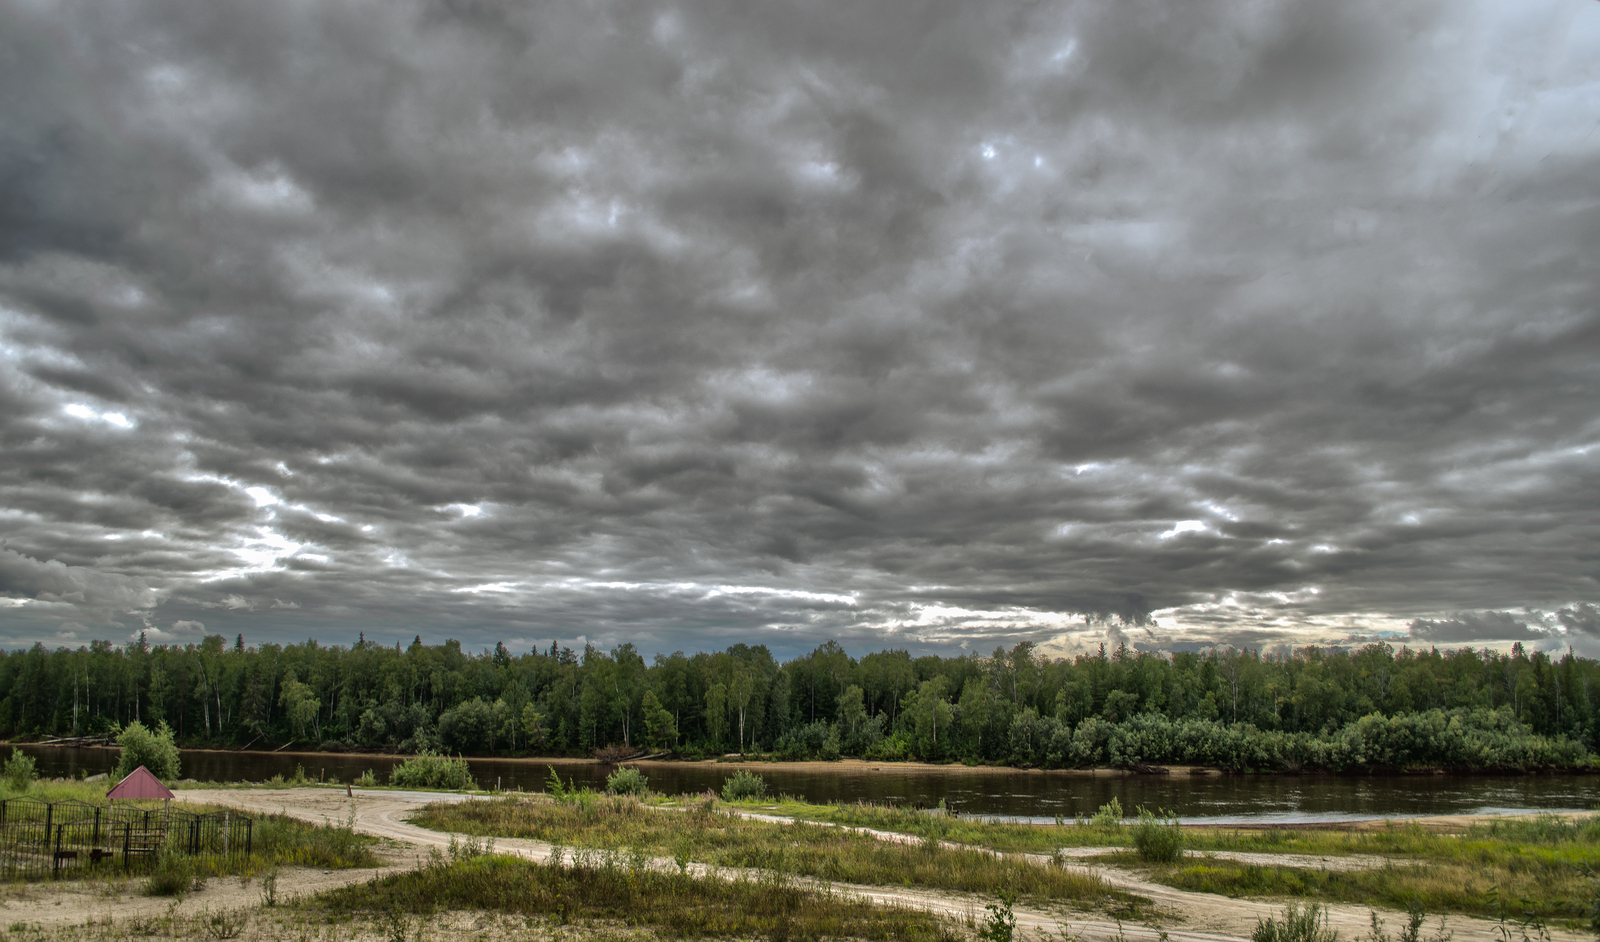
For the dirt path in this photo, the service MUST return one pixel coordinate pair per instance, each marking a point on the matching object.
(1306, 861)
(1186, 917)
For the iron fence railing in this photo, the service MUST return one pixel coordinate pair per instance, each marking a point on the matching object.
(55, 838)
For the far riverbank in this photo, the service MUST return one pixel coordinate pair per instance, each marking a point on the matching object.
(1195, 794)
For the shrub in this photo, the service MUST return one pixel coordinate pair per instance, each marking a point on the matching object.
(431, 770)
(19, 770)
(1000, 925)
(627, 782)
(174, 875)
(744, 786)
(1109, 815)
(367, 779)
(1157, 836)
(153, 749)
(1298, 925)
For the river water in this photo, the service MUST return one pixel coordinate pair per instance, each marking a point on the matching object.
(1024, 795)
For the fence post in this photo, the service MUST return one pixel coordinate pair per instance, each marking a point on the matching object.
(55, 860)
(249, 835)
(96, 840)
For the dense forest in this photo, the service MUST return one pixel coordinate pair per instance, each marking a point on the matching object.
(1315, 708)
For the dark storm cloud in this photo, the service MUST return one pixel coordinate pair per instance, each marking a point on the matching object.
(1470, 627)
(903, 324)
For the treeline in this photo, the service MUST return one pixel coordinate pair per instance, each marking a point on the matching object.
(1313, 708)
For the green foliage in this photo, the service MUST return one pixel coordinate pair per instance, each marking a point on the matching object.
(175, 874)
(1108, 816)
(368, 779)
(153, 749)
(744, 786)
(279, 839)
(431, 770)
(818, 740)
(569, 792)
(1001, 922)
(1308, 924)
(1371, 708)
(1157, 836)
(660, 727)
(627, 781)
(18, 772)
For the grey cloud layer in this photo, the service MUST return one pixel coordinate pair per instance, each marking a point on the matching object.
(903, 322)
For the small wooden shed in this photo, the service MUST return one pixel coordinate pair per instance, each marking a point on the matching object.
(140, 783)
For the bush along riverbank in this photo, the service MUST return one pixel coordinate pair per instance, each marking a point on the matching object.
(1462, 740)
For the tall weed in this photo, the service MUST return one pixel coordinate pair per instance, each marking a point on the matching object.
(1309, 924)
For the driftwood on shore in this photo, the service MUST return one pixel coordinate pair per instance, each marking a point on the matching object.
(99, 740)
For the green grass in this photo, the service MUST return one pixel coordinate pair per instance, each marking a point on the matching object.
(282, 840)
(705, 833)
(1448, 889)
(1521, 868)
(59, 790)
(1000, 836)
(672, 904)
(1516, 867)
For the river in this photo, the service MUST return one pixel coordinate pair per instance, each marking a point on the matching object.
(1022, 795)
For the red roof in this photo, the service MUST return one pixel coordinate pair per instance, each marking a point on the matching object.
(140, 783)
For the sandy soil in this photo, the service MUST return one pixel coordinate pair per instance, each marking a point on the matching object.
(1185, 916)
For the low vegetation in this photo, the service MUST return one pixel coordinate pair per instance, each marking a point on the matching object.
(706, 833)
(744, 786)
(1308, 924)
(1158, 837)
(621, 887)
(627, 781)
(1518, 868)
(1522, 870)
(431, 770)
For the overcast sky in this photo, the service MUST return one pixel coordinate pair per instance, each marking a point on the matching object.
(911, 324)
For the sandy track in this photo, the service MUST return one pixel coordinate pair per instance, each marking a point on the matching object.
(1305, 861)
(1186, 917)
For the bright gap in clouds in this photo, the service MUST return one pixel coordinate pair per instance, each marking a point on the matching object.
(1183, 526)
(118, 419)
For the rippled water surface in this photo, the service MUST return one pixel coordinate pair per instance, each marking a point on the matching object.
(1039, 796)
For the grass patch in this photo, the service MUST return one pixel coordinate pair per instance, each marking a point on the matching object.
(708, 834)
(615, 888)
(1000, 836)
(57, 789)
(1491, 893)
(1538, 866)
(282, 840)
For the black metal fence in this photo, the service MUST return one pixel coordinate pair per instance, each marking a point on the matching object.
(55, 838)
